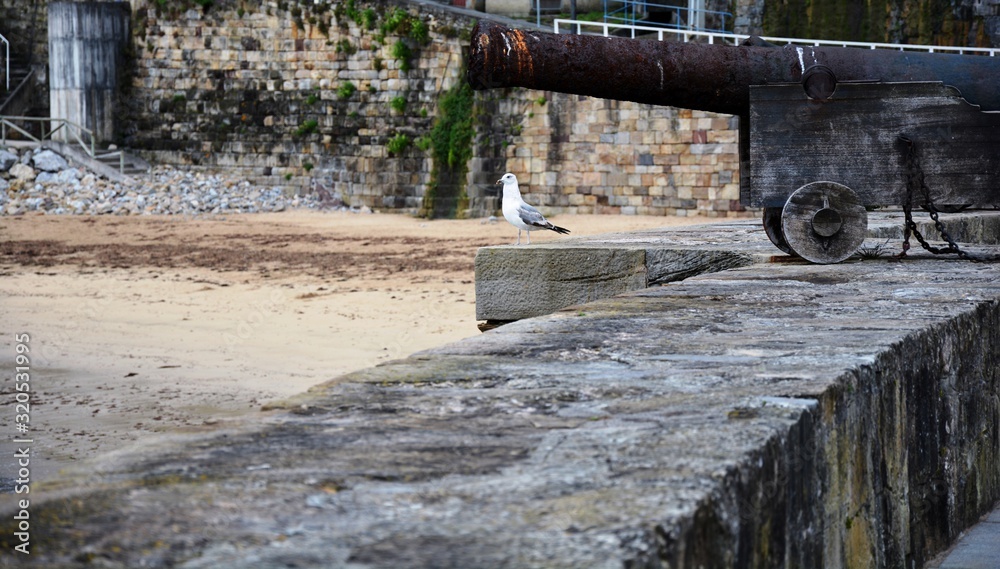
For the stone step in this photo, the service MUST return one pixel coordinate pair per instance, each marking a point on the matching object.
(133, 165)
(516, 282)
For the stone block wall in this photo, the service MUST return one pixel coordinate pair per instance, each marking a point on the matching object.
(264, 90)
(214, 94)
(588, 155)
(24, 23)
(276, 94)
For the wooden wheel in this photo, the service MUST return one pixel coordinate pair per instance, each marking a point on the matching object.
(772, 227)
(824, 222)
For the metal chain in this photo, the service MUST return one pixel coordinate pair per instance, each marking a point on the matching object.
(915, 181)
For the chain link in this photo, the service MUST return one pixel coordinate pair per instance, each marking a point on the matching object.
(915, 182)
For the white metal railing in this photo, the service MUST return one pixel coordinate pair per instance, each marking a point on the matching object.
(70, 126)
(632, 11)
(577, 26)
(6, 61)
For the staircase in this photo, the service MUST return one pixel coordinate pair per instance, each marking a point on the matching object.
(14, 99)
(15, 107)
(120, 160)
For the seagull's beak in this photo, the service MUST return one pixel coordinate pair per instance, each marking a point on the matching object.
(500, 181)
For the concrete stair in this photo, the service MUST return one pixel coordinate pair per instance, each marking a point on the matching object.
(121, 160)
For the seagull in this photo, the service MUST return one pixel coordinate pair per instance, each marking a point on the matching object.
(519, 213)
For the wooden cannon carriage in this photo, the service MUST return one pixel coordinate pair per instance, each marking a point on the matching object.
(825, 133)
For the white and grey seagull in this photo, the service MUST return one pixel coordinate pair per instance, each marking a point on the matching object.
(519, 213)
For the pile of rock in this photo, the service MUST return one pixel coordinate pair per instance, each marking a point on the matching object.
(39, 180)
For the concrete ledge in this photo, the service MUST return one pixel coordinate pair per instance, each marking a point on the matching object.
(780, 415)
(515, 282)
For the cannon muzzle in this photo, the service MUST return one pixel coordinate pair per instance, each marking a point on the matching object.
(707, 77)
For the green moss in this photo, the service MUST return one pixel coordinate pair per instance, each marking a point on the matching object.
(345, 46)
(452, 133)
(398, 144)
(402, 53)
(368, 19)
(307, 127)
(451, 150)
(346, 90)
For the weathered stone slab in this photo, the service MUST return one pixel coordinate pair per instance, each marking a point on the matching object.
(515, 282)
(522, 282)
(775, 415)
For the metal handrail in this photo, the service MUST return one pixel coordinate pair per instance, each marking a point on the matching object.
(90, 150)
(630, 10)
(6, 60)
(6, 122)
(734, 39)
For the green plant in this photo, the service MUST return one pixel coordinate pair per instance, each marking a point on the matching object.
(398, 103)
(377, 64)
(351, 11)
(452, 133)
(345, 46)
(307, 166)
(179, 98)
(419, 32)
(396, 22)
(541, 101)
(423, 113)
(311, 99)
(402, 53)
(368, 19)
(398, 143)
(288, 176)
(451, 150)
(346, 89)
(874, 251)
(307, 127)
(424, 143)
(372, 88)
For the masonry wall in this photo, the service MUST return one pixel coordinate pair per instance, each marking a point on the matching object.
(262, 88)
(24, 23)
(210, 93)
(604, 156)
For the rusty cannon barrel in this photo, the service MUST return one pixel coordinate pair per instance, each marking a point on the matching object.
(707, 77)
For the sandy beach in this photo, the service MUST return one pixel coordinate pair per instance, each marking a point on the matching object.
(151, 324)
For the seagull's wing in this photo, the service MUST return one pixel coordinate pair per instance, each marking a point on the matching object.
(531, 216)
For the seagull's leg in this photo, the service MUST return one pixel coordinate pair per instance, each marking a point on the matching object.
(518, 237)
(529, 238)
